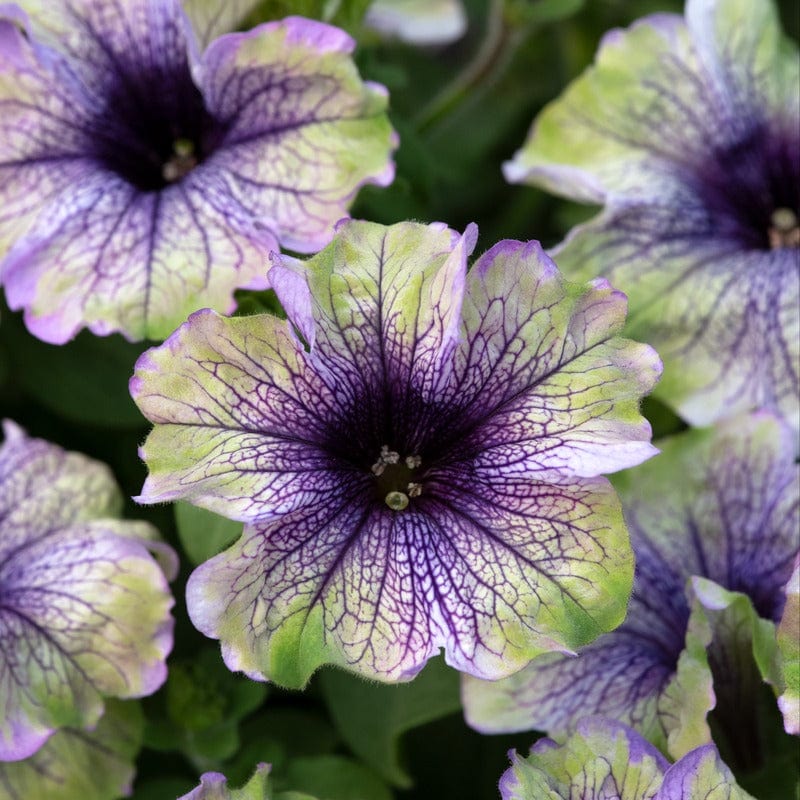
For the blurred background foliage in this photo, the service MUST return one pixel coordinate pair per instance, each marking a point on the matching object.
(461, 110)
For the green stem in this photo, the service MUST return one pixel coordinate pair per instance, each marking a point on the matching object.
(484, 61)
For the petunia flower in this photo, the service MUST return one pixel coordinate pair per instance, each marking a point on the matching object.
(84, 607)
(141, 179)
(415, 456)
(604, 760)
(420, 22)
(687, 131)
(713, 525)
(76, 764)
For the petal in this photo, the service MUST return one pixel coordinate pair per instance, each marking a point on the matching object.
(729, 513)
(247, 384)
(724, 635)
(662, 95)
(620, 676)
(789, 645)
(41, 127)
(421, 22)
(379, 592)
(722, 317)
(386, 304)
(240, 418)
(85, 615)
(84, 608)
(546, 388)
(279, 425)
(212, 18)
(636, 104)
(214, 786)
(81, 765)
(689, 132)
(700, 773)
(288, 132)
(112, 258)
(602, 760)
(304, 132)
(733, 501)
(741, 45)
(43, 486)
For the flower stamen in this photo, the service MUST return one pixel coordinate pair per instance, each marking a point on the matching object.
(182, 162)
(396, 482)
(784, 230)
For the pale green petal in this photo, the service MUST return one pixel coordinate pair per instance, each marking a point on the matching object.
(600, 136)
(741, 44)
(212, 18)
(80, 765)
(789, 647)
(719, 619)
(602, 760)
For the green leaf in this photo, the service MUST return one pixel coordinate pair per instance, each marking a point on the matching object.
(161, 789)
(84, 381)
(198, 712)
(335, 778)
(374, 737)
(541, 11)
(203, 533)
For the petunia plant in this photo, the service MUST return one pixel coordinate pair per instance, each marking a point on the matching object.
(141, 179)
(410, 482)
(416, 454)
(605, 760)
(687, 132)
(84, 606)
(714, 524)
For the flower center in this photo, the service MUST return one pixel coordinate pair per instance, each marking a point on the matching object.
(396, 478)
(182, 162)
(155, 129)
(750, 189)
(784, 230)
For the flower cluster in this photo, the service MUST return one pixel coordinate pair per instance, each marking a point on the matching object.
(408, 455)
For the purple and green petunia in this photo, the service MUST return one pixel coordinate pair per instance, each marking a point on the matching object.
(417, 455)
(142, 177)
(605, 760)
(713, 523)
(84, 606)
(687, 131)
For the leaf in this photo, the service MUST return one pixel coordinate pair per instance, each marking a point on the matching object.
(335, 778)
(374, 737)
(202, 533)
(85, 380)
